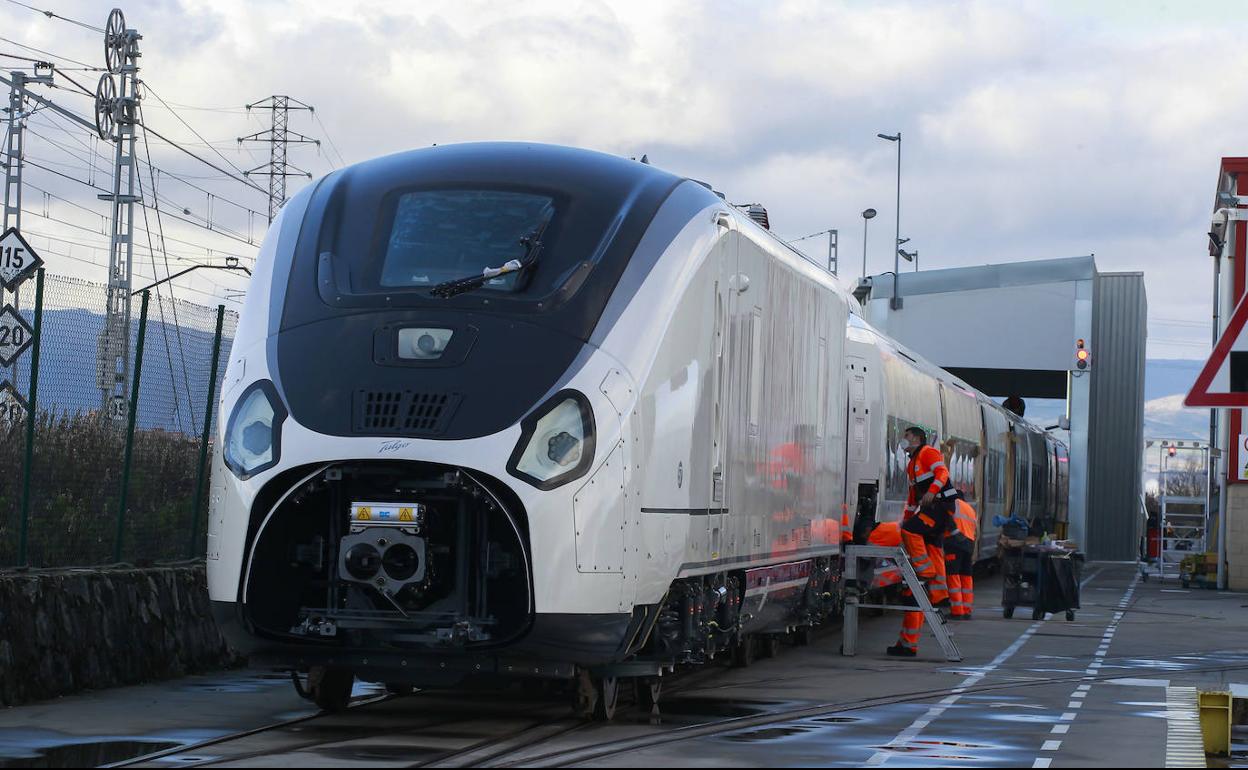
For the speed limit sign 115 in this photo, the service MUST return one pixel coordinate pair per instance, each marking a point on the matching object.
(18, 261)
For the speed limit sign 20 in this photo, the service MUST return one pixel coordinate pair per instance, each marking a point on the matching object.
(15, 335)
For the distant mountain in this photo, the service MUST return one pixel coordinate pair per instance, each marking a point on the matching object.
(1166, 417)
(177, 360)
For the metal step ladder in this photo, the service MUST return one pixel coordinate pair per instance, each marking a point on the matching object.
(1184, 499)
(935, 621)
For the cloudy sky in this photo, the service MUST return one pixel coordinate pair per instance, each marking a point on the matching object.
(1031, 129)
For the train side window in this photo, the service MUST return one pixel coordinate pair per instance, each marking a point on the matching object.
(756, 368)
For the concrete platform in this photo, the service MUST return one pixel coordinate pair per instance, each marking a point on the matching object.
(1107, 688)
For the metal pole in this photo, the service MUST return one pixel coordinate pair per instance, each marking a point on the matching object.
(897, 233)
(203, 441)
(32, 412)
(113, 352)
(13, 170)
(1228, 239)
(132, 412)
(864, 246)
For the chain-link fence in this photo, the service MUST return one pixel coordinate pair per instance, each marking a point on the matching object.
(91, 448)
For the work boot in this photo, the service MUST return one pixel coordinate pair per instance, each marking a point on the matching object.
(943, 604)
(901, 651)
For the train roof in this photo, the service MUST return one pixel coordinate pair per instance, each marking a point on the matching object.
(859, 325)
(517, 162)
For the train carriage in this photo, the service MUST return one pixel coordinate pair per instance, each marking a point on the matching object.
(513, 410)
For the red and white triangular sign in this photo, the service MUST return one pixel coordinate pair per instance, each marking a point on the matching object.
(1213, 384)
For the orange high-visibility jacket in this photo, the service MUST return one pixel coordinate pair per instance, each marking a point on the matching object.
(964, 519)
(928, 473)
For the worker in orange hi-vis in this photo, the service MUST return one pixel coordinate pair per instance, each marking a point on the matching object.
(888, 534)
(959, 560)
(929, 509)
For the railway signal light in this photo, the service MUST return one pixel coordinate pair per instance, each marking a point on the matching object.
(1082, 356)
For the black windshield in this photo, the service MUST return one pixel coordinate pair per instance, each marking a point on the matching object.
(381, 234)
(444, 235)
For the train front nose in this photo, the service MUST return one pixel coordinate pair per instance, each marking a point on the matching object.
(389, 555)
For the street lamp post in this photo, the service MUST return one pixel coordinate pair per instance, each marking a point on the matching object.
(867, 216)
(896, 304)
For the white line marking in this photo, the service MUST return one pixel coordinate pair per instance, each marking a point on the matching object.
(1075, 704)
(1051, 746)
(1060, 729)
(1184, 746)
(910, 733)
(1042, 762)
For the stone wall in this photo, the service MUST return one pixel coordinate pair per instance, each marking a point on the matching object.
(62, 631)
(1237, 537)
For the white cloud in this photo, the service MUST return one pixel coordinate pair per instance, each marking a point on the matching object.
(1031, 130)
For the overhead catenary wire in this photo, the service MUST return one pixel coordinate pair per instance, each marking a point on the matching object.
(218, 231)
(812, 235)
(341, 161)
(85, 65)
(168, 271)
(54, 15)
(159, 170)
(102, 232)
(102, 245)
(164, 325)
(152, 91)
(217, 295)
(205, 161)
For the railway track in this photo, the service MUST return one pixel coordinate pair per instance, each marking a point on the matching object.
(506, 740)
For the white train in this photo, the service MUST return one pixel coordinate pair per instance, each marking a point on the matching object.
(629, 447)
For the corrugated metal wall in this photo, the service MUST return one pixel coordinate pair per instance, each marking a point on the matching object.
(1116, 416)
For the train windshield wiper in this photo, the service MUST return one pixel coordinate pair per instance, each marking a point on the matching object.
(532, 247)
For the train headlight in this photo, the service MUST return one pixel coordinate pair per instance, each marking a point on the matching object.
(253, 435)
(556, 443)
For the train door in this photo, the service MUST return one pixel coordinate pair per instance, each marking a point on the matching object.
(861, 480)
(716, 531)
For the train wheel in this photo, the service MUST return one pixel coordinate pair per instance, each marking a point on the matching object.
(1070, 614)
(771, 645)
(648, 693)
(743, 653)
(1037, 613)
(607, 688)
(331, 687)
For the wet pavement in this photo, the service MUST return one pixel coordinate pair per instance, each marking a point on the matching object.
(1104, 688)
